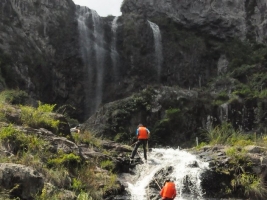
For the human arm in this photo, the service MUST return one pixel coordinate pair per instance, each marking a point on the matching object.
(148, 132)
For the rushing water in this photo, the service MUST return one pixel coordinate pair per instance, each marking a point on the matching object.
(114, 53)
(100, 56)
(158, 47)
(159, 159)
(93, 55)
(87, 55)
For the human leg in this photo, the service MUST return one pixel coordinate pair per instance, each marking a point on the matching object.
(144, 142)
(135, 149)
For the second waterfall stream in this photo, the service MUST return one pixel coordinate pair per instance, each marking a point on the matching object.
(178, 165)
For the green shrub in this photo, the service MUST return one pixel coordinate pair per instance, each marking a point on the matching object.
(243, 90)
(111, 183)
(262, 94)
(250, 184)
(257, 81)
(107, 164)
(84, 196)
(13, 96)
(122, 137)
(51, 194)
(19, 141)
(219, 134)
(90, 180)
(226, 134)
(242, 71)
(45, 107)
(86, 137)
(66, 160)
(9, 135)
(223, 95)
(58, 176)
(245, 182)
(202, 144)
(39, 117)
(77, 184)
(172, 113)
(218, 102)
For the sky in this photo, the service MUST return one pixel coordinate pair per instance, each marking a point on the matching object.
(102, 7)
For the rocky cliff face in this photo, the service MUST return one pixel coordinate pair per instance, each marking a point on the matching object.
(222, 19)
(193, 33)
(66, 54)
(39, 49)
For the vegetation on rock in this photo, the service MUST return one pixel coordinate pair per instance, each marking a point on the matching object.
(25, 143)
(239, 166)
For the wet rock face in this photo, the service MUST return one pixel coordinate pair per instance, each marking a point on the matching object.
(232, 18)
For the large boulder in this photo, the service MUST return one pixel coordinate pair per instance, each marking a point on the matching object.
(20, 180)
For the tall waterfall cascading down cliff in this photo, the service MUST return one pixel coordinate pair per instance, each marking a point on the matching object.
(100, 57)
(93, 55)
(158, 48)
(186, 172)
(86, 52)
(114, 53)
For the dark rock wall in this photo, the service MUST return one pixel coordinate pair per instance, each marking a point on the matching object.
(219, 18)
(39, 44)
(41, 49)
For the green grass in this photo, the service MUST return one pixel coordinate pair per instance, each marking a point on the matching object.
(225, 134)
(19, 141)
(63, 171)
(39, 117)
(107, 164)
(66, 160)
(13, 96)
(239, 165)
(86, 137)
(251, 185)
(84, 196)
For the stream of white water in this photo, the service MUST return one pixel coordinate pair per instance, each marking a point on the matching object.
(184, 169)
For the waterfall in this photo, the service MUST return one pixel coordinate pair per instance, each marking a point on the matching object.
(114, 53)
(158, 47)
(86, 52)
(100, 56)
(93, 55)
(186, 169)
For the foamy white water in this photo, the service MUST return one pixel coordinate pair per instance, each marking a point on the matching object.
(181, 162)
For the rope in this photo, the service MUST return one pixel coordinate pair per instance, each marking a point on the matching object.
(147, 149)
(133, 143)
(157, 183)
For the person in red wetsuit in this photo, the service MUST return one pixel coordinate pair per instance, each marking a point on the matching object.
(142, 136)
(168, 192)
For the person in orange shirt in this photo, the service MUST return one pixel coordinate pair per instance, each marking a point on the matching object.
(142, 136)
(168, 192)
